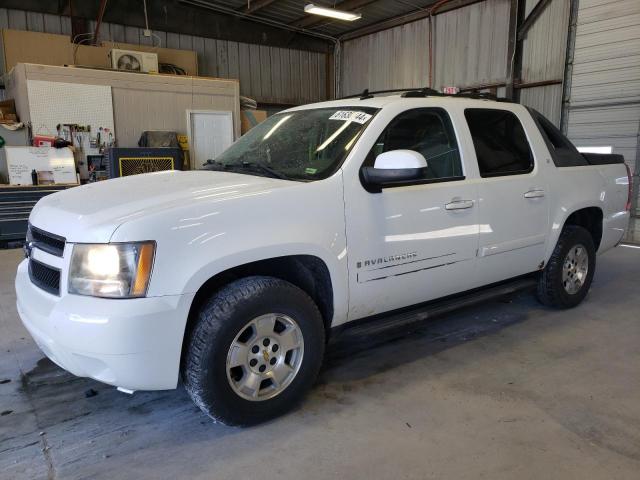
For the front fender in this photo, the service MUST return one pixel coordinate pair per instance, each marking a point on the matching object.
(198, 240)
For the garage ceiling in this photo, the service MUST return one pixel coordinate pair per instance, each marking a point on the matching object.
(291, 12)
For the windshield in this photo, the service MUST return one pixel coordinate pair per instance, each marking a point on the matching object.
(300, 145)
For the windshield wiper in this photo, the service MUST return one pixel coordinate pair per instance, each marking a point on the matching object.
(214, 165)
(244, 166)
(264, 168)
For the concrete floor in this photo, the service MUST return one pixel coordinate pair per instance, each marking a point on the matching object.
(508, 390)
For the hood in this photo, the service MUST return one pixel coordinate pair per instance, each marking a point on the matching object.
(91, 213)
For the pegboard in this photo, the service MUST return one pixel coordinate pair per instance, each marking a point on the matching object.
(53, 103)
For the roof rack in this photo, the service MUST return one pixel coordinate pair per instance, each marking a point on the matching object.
(366, 94)
(427, 92)
(422, 92)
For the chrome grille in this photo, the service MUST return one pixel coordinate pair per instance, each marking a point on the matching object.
(48, 242)
(45, 277)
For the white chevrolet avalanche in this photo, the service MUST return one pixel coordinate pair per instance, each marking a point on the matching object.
(233, 277)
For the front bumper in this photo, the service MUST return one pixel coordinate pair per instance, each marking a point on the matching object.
(130, 343)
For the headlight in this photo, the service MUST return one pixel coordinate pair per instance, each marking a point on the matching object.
(116, 270)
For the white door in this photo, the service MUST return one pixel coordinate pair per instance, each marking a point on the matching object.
(413, 243)
(513, 206)
(210, 134)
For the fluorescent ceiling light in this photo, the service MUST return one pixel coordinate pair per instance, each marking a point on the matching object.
(276, 126)
(332, 12)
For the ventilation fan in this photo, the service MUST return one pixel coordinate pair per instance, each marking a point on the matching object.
(132, 61)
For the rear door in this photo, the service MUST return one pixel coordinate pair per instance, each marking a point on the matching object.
(513, 205)
(413, 243)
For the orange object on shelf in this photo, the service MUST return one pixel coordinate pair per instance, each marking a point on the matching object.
(43, 140)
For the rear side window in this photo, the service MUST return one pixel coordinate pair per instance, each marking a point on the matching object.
(427, 131)
(501, 145)
(562, 151)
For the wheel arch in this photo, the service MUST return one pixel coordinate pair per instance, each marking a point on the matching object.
(308, 272)
(589, 217)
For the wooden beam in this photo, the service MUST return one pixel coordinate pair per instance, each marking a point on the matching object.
(347, 5)
(404, 19)
(517, 85)
(481, 86)
(541, 83)
(532, 17)
(255, 5)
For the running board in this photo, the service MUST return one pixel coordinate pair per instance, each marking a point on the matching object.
(404, 321)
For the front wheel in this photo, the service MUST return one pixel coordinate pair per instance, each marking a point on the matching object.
(566, 279)
(255, 351)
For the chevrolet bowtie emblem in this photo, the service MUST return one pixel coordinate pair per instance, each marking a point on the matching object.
(265, 354)
(28, 246)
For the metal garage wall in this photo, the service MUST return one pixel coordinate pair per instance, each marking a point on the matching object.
(604, 97)
(268, 74)
(470, 47)
(543, 58)
(604, 102)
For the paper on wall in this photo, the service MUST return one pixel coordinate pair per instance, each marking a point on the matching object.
(21, 161)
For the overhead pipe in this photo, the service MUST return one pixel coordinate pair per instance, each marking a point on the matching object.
(103, 7)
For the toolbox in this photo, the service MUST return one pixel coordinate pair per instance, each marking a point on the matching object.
(16, 203)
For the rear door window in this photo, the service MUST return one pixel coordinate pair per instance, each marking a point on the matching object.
(500, 142)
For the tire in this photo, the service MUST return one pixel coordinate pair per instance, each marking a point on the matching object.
(557, 291)
(238, 315)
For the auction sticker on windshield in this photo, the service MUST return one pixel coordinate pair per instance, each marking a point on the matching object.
(354, 116)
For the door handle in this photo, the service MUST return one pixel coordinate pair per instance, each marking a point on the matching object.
(459, 204)
(534, 194)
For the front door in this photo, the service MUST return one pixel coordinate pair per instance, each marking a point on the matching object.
(410, 244)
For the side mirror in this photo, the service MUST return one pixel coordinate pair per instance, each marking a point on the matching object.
(393, 169)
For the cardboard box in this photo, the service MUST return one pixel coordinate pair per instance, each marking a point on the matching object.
(251, 118)
(19, 46)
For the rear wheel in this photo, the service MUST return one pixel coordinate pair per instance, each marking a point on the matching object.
(566, 279)
(255, 351)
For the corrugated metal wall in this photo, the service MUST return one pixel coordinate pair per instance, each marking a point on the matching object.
(268, 74)
(543, 58)
(471, 44)
(470, 47)
(604, 101)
